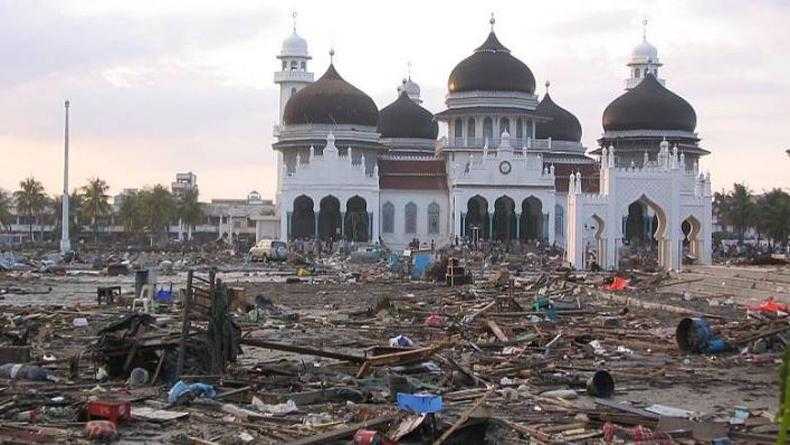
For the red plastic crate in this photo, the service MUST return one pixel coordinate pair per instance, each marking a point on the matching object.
(112, 410)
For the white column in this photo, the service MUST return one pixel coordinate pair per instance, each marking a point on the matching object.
(65, 243)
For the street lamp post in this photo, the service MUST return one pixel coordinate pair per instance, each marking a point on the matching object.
(65, 243)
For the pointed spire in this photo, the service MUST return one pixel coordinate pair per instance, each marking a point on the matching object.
(293, 17)
(332, 56)
(492, 21)
(408, 69)
(644, 29)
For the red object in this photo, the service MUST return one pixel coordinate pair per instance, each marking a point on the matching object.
(619, 283)
(435, 321)
(637, 434)
(100, 429)
(371, 437)
(770, 306)
(114, 410)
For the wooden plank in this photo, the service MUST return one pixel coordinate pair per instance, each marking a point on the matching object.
(498, 332)
(302, 350)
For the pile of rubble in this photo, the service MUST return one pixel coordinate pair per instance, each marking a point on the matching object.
(518, 349)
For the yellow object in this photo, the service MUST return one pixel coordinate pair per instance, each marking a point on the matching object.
(302, 272)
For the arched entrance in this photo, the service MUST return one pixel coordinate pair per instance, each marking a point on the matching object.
(476, 220)
(303, 218)
(594, 242)
(329, 219)
(531, 219)
(505, 219)
(644, 235)
(692, 228)
(356, 220)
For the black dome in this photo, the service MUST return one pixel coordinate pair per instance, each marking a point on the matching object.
(405, 119)
(491, 68)
(649, 106)
(330, 100)
(563, 127)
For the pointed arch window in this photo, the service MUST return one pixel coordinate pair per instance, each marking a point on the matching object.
(388, 218)
(410, 218)
(459, 128)
(504, 125)
(470, 128)
(488, 129)
(433, 218)
(519, 128)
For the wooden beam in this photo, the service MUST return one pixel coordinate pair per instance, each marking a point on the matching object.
(302, 350)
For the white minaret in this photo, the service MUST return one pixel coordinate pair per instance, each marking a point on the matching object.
(65, 243)
(292, 77)
(644, 61)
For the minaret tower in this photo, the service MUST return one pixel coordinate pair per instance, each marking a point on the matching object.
(293, 74)
(644, 61)
(292, 77)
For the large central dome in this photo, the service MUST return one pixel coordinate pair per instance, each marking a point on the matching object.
(491, 68)
(563, 125)
(331, 100)
(649, 106)
(405, 119)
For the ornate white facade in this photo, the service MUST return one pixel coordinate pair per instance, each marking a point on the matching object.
(512, 167)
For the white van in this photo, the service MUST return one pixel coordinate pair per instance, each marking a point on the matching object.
(269, 250)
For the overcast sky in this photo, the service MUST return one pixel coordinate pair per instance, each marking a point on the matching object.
(159, 87)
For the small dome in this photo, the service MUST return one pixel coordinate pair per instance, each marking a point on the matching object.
(491, 68)
(294, 45)
(563, 127)
(410, 87)
(649, 106)
(644, 53)
(405, 119)
(331, 100)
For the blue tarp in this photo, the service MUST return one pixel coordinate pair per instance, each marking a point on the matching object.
(419, 403)
(420, 263)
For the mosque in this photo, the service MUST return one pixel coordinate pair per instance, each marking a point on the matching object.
(511, 167)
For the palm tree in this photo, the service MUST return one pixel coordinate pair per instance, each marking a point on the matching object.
(6, 202)
(737, 208)
(189, 210)
(31, 201)
(130, 213)
(158, 208)
(774, 221)
(94, 203)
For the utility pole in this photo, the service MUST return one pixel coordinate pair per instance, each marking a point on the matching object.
(65, 244)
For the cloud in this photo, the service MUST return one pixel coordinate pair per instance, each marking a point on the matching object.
(167, 86)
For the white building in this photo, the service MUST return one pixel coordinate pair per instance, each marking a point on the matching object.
(512, 166)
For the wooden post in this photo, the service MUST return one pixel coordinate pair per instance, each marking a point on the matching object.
(186, 306)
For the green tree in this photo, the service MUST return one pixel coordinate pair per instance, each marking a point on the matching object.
(94, 203)
(158, 209)
(130, 213)
(737, 209)
(774, 215)
(189, 210)
(6, 202)
(31, 201)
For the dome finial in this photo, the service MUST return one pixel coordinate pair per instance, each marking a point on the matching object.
(332, 56)
(548, 84)
(293, 18)
(644, 29)
(408, 69)
(492, 21)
